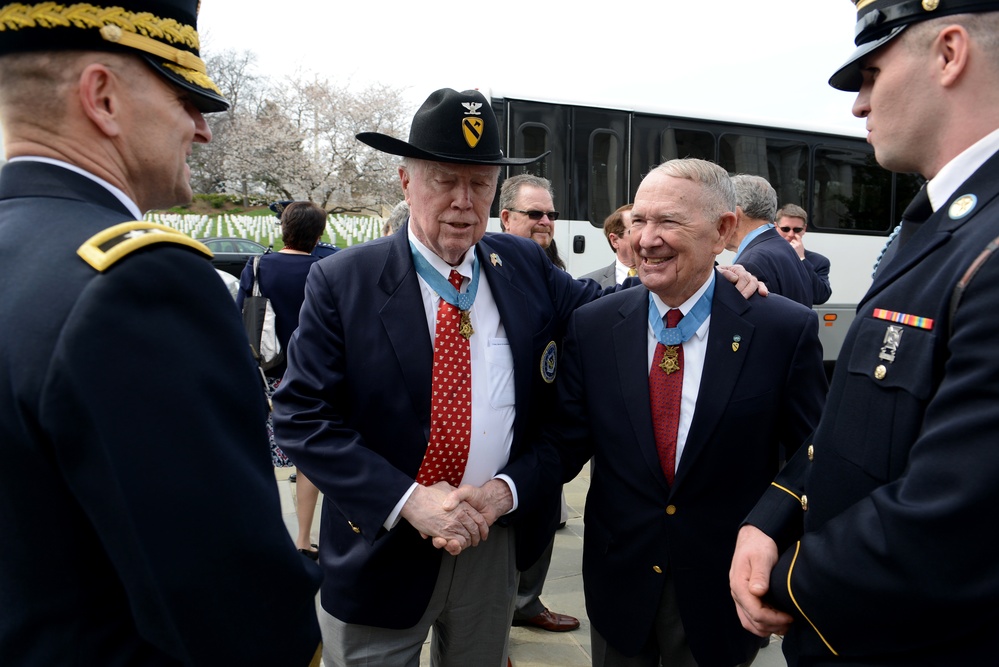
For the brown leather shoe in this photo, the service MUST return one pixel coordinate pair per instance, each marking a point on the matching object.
(551, 621)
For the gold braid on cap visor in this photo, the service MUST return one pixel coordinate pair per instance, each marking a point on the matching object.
(142, 31)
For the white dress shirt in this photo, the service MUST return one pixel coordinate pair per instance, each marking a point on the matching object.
(620, 271)
(694, 351)
(492, 377)
(957, 171)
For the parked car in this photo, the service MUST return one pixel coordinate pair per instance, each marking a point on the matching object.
(231, 254)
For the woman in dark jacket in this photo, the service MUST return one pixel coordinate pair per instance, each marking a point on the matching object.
(281, 277)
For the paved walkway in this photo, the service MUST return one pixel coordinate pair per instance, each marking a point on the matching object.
(530, 647)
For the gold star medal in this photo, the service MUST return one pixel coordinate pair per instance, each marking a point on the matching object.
(465, 328)
(670, 362)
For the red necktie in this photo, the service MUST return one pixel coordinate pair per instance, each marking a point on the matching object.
(451, 402)
(665, 385)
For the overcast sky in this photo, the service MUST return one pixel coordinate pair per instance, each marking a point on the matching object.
(767, 60)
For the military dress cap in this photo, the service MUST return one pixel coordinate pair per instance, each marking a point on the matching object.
(163, 32)
(880, 21)
(459, 128)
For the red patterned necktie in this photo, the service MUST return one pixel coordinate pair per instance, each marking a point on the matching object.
(665, 385)
(451, 402)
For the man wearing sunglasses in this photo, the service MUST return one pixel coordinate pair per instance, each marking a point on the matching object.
(526, 210)
(759, 248)
(792, 223)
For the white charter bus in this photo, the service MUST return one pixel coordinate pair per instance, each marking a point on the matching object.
(599, 155)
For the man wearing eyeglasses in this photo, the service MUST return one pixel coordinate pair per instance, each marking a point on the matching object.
(792, 223)
(526, 210)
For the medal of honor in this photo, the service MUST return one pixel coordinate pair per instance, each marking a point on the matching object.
(465, 328)
(670, 362)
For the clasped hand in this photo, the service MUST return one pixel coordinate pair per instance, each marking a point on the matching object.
(457, 518)
(749, 578)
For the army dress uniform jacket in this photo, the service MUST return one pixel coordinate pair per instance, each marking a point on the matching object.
(897, 562)
(140, 518)
(762, 387)
(353, 412)
(773, 261)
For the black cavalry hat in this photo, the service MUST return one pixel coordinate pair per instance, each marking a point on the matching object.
(163, 32)
(454, 127)
(880, 21)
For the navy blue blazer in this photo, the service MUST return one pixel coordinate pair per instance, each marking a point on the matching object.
(899, 537)
(353, 412)
(773, 261)
(818, 265)
(755, 397)
(141, 522)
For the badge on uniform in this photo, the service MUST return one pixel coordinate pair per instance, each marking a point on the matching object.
(736, 339)
(549, 361)
(893, 335)
(962, 206)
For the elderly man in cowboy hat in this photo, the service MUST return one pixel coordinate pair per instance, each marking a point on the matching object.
(877, 544)
(140, 517)
(424, 361)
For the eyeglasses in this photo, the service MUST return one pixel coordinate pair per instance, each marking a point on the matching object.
(537, 215)
(787, 230)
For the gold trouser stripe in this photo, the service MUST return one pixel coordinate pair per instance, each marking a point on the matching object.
(317, 657)
(794, 560)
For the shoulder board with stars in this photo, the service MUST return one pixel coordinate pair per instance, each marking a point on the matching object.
(104, 249)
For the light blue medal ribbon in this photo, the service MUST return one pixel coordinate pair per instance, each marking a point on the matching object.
(690, 323)
(438, 283)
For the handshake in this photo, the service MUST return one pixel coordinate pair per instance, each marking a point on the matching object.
(457, 518)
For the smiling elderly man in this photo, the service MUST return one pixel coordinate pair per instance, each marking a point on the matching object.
(683, 393)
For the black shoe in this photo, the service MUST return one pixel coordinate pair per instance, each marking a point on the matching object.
(312, 553)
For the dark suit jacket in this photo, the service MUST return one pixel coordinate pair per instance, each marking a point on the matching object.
(353, 412)
(140, 517)
(900, 534)
(818, 265)
(607, 276)
(773, 261)
(752, 400)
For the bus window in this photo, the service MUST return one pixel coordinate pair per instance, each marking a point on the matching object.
(741, 154)
(606, 175)
(784, 163)
(680, 143)
(851, 193)
(531, 140)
